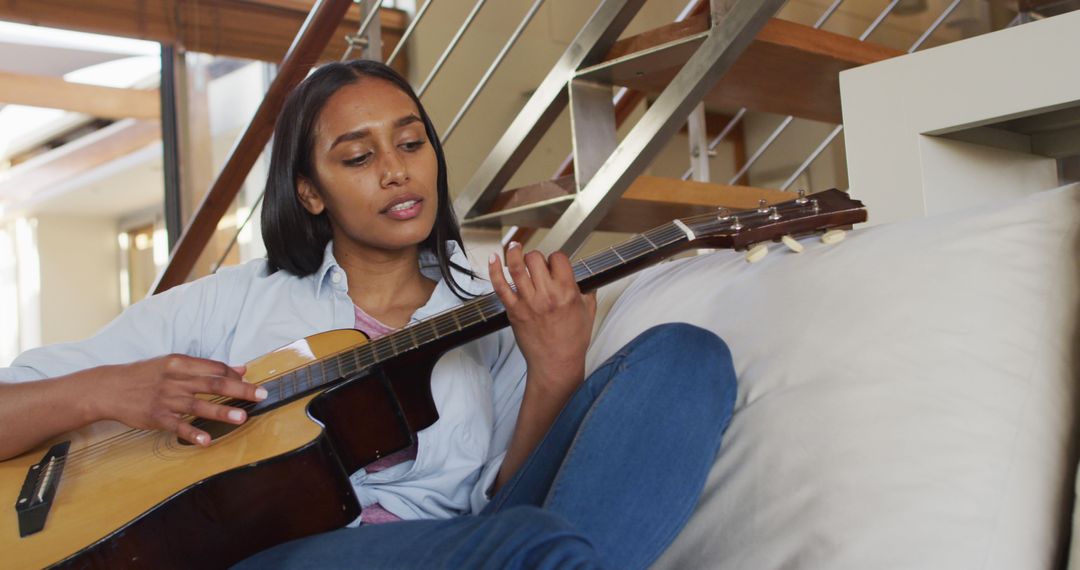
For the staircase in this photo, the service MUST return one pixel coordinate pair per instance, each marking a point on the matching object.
(788, 68)
(723, 54)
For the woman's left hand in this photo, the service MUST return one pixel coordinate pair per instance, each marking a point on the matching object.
(551, 319)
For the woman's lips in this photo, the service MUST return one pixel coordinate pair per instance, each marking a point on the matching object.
(405, 210)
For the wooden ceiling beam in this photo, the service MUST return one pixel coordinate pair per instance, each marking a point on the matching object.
(46, 172)
(93, 100)
(248, 29)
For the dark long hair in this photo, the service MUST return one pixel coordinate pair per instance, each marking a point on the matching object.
(295, 239)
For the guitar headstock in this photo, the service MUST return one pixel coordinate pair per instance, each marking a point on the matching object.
(803, 215)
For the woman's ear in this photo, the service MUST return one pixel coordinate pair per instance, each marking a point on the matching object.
(309, 196)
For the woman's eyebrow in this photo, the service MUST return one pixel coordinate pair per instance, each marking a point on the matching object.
(362, 133)
(406, 120)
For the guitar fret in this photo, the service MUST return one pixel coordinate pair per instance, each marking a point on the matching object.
(473, 307)
(377, 349)
(639, 245)
(606, 260)
(356, 360)
(365, 357)
(333, 373)
(425, 334)
(289, 388)
(435, 326)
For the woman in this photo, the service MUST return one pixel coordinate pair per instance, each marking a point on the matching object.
(555, 470)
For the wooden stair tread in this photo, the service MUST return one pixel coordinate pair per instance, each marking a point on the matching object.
(789, 69)
(649, 202)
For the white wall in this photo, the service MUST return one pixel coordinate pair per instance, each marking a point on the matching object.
(893, 110)
(79, 276)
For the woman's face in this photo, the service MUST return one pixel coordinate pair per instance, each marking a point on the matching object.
(376, 170)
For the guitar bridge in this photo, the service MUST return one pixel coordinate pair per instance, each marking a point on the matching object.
(39, 488)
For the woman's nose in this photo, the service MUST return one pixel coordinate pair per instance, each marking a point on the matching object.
(394, 171)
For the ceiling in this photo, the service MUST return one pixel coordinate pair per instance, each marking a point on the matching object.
(132, 183)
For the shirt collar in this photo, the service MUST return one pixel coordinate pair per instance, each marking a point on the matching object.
(441, 298)
(323, 272)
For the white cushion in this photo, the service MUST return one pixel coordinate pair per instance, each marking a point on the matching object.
(907, 396)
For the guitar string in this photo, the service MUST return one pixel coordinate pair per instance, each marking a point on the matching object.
(670, 231)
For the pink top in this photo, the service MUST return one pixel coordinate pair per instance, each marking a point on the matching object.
(375, 513)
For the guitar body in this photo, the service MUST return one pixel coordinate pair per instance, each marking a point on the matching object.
(151, 501)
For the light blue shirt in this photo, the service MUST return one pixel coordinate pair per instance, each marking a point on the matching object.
(243, 312)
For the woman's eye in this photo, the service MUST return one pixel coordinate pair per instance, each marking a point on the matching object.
(358, 160)
(413, 145)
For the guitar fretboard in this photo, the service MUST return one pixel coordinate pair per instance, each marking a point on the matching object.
(453, 321)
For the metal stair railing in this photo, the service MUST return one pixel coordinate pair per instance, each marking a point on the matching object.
(699, 159)
(624, 102)
(787, 121)
(603, 169)
(820, 148)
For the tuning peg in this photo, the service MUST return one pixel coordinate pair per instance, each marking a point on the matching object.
(815, 206)
(723, 214)
(757, 253)
(802, 199)
(762, 206)
(735, 223)
(833, 236)
(774, 214)
(792, 244)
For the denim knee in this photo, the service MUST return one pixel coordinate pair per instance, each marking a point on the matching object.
(700, 362)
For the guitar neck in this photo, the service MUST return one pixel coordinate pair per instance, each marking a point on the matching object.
(484, 314)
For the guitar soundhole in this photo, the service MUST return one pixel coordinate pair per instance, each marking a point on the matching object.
(214, 428)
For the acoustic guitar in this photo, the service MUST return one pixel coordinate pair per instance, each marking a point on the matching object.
(107, 496)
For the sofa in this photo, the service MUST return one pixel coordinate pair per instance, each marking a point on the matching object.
(908, 397)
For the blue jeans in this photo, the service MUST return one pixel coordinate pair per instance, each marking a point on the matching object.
(610, 485)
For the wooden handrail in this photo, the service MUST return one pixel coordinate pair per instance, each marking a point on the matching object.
(312, 39)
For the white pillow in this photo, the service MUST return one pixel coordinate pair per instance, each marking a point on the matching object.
(907, 397)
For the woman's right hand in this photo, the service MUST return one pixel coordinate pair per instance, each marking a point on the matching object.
(158, 393)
